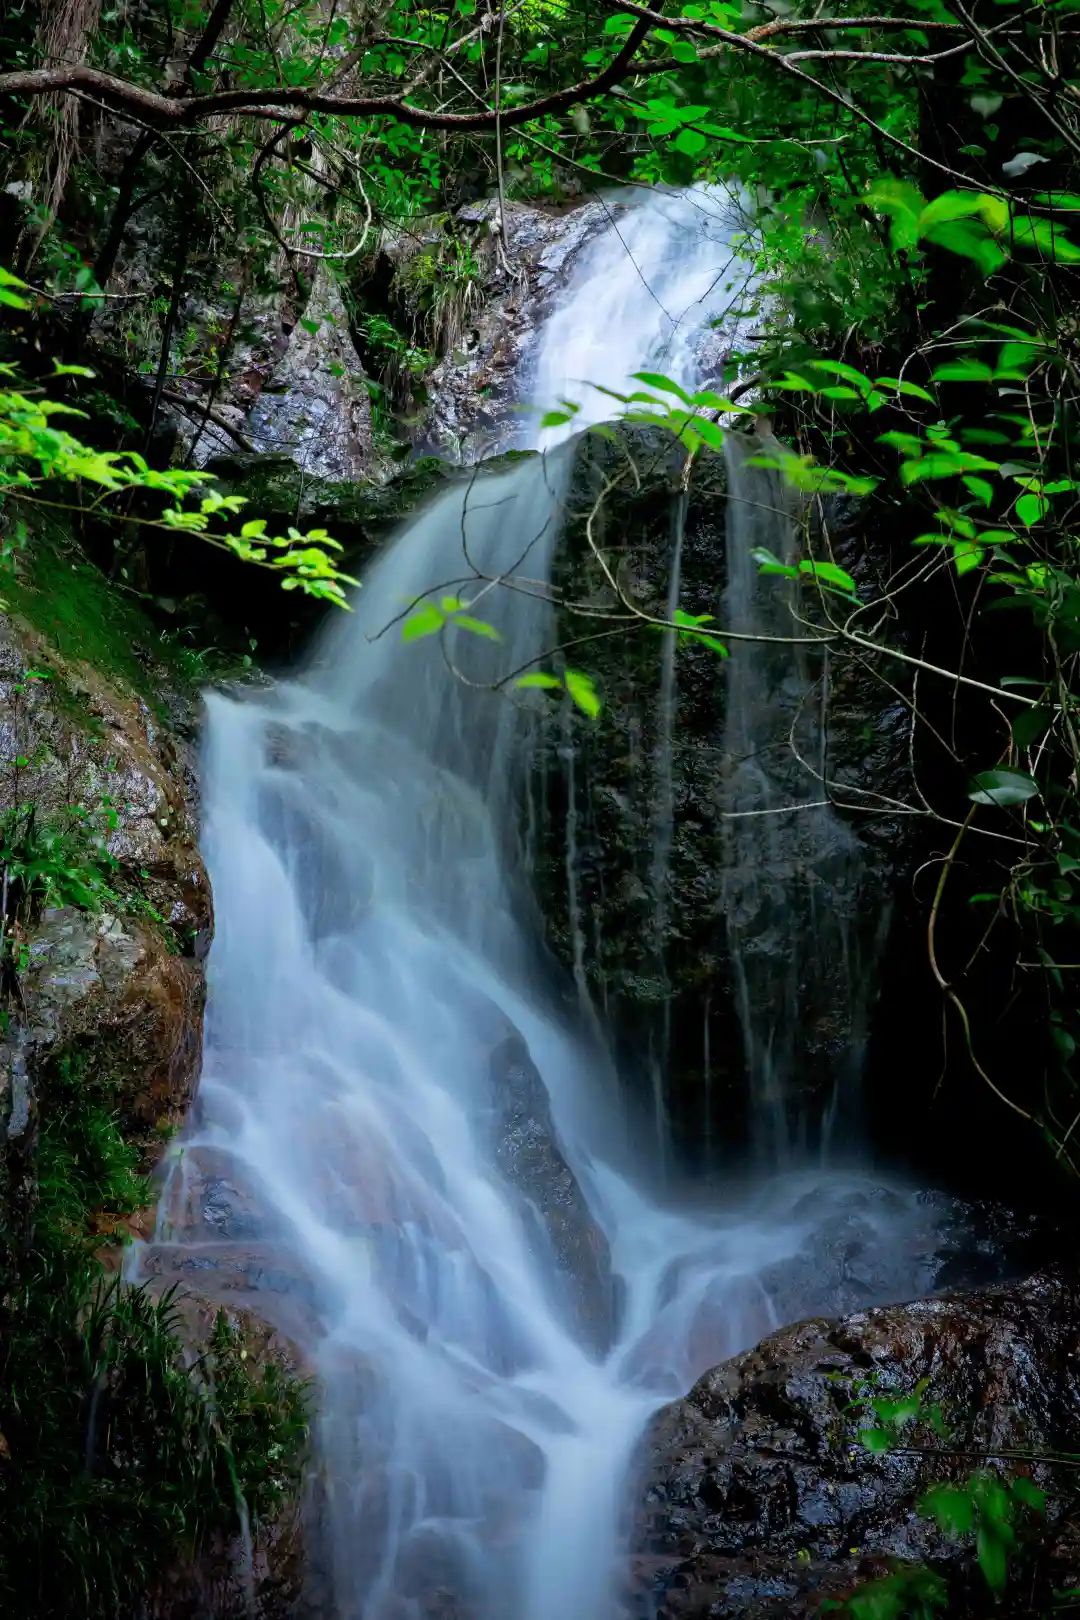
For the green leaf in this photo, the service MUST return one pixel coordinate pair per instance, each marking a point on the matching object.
(1030, 508)
(972, 242)
(964, 370)
(950, 1506)
(993, 1557)
(903, 203)
(829, 574)
(770, 564)
(897, 1411)
(428, 620)
(876, 1440)
(954, 205)
(1048, 239)
(1025, 1490)
(902, 386)
(666, 385)
(583, 692)
(690, 142)
(477, 627)
(1028, 727)
(542, 681)
(1003, 786)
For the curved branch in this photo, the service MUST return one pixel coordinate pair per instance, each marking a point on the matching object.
(175, 112)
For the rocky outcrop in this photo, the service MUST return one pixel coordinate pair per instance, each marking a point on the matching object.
(629, 863)
(757, 1499)
(91, 771)
(484, 374)
(315, 407)
(528, 1155)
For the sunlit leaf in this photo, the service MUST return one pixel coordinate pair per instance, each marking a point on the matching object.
(427, 620)
(583, 692)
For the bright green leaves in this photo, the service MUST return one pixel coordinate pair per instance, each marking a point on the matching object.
(33, 451)
(690, 125)
(11, 291)
(582, 691)
(876, 1440)
(538, 680)
(579, 688)
(965, 222)
(977, 225)
(692, 419)
(1003, 786)
(690, 630)
(559, 417)
(826, 574)
(984, 1506)
(429, 618)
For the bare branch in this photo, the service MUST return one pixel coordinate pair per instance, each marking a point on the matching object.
(176, 112)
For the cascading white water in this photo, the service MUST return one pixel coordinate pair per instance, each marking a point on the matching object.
(380, 1133)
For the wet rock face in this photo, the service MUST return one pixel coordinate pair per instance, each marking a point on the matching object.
(74, 734)
(629, 857)
(634, 864)
(528, 1154)
(123, 988)
(315, 408)
(475, 388)
(755, 1496)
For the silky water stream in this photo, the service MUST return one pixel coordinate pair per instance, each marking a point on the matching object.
(376, 1160)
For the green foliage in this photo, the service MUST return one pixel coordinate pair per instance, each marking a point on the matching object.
(579, 687)
(37, 455)
(985, 1506)
(126, 1458)
(429, 618)
(61, 861)
(910, 1592)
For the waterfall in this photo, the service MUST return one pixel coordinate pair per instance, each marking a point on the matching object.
(411, 1150)
(795, 888)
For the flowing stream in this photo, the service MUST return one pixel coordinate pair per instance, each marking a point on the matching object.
(403, 1149)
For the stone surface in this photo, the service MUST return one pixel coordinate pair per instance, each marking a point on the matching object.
(644, 936)
(122, 988)
(755, 1496)
(528, 1154)
(474, 389)
(315, 407)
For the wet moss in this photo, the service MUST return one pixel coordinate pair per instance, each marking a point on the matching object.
(85, 617)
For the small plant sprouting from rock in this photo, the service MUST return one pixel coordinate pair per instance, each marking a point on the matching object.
(61, 861)
(985, 1506)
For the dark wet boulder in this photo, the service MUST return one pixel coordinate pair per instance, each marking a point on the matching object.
(555, 1212)
(757, 1498)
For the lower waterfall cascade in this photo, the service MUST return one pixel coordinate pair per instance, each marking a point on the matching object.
(382, 1021)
